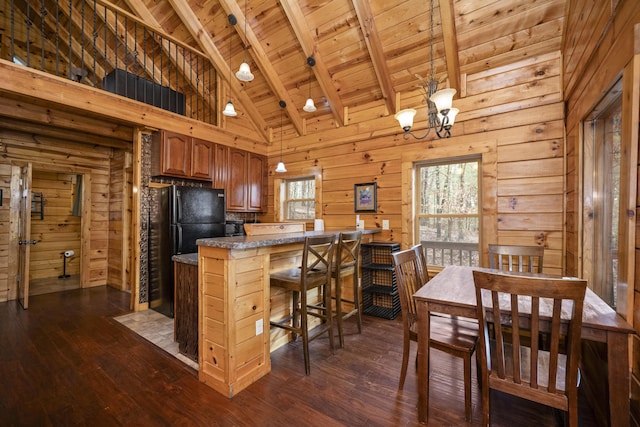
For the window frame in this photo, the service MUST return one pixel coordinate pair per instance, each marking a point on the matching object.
(286, 200)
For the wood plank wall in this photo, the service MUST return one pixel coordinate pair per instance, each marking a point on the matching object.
(53, 155)
(119, 265)
(601, 43)
(58, 230)
(517, 107)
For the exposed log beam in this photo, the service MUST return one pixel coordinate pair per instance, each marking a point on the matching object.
(309, 46)
(192, 23)
(371, 36)
(447, 19)
(260, 56)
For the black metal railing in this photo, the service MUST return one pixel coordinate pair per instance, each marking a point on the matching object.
(95, 43)
(451, 253)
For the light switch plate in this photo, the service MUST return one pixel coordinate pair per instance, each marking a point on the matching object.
(385, 224)
(259, 329)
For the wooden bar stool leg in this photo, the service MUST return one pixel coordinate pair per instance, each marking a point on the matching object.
(305, 331)
(338, 300)
(295, 313)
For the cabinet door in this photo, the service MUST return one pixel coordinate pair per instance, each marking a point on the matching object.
(237, 182)
(257, 176)
(221, 165)
(176, 154)
(202, 159)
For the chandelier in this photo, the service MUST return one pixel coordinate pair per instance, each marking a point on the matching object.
(439, 102)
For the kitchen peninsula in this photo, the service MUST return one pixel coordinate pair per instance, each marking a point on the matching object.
(235, 304)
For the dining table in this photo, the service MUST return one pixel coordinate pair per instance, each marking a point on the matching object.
(452, 291)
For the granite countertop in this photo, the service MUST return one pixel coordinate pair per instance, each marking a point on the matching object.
(191, 259)
(248, 242)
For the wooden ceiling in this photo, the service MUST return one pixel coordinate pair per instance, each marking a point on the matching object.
(367, 53)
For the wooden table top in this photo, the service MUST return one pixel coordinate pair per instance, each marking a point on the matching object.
(454, 287)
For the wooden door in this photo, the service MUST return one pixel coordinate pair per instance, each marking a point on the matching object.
(24, 236)
(257, 176)
(237, 183)
(176, 154)
(202, 159)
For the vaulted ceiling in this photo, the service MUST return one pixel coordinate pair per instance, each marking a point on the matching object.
(367, 53)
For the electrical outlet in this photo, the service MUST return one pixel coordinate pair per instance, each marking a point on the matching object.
(385, 224)
(259, 328)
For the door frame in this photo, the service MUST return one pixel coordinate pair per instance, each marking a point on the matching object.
(85, 219)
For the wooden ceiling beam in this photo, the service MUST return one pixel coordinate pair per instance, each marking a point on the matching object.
(372, 38)
(198, 32)
(260, 57)
(449, 35)
(310, 47)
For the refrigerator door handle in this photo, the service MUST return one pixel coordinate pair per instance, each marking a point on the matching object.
(178, 239)
(178, 206)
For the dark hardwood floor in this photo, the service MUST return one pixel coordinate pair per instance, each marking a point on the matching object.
(67, 362)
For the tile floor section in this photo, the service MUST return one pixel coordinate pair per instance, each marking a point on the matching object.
(156, 328)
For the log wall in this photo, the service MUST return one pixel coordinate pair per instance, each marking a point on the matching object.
(516, 109)
(601, 45)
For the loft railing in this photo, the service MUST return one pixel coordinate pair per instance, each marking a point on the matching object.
(98, 44)
(451, 253)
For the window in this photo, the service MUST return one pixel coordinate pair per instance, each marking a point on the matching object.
(447, 211)
(602, 148)
(299, 201)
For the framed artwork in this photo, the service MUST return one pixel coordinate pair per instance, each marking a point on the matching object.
(365, 197)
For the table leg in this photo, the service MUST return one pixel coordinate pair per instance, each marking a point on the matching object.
(422, 308)
(618, 363)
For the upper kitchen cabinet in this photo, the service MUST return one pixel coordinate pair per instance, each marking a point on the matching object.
(220, 170)
(246, 180)
(182, 156)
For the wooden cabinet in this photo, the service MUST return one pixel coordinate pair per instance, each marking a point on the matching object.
(221, 166)
(182, 156)
(247, 175)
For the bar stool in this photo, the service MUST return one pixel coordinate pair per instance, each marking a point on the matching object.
(347, 264)
(314, 272)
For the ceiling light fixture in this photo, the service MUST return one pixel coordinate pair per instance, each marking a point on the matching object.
(244, 73)
(309, 107)
(280, 167)
(439, 103)
(229, 111)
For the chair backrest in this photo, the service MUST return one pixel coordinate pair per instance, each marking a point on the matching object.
(556, 309)
(348, 250)
(516, 258)
(423, 269)
(317, 256)
(409, 280)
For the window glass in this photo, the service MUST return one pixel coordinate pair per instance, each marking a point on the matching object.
(299, 202)
(448, 219)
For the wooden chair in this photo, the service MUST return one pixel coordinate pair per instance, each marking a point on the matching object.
(422, 263)
(314, 272)
(508, 257)
(347, 264)
(528, 372)
(453, 336)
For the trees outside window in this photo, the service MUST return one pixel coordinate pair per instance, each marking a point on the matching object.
(299, 201)
(447, 211)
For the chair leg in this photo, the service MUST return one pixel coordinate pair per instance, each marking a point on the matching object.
(356, 301)
(304, 331)
(338, 300)
(467, 386)
(328, 312)
(405, 359)
(295, 313)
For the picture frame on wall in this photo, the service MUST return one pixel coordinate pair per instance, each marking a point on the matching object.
(365, 197)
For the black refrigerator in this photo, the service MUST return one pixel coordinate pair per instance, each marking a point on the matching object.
(178, 216)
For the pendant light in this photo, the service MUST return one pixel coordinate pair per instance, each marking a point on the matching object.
(280, 168)
(309, 107)
(244, 73)
(229, 111)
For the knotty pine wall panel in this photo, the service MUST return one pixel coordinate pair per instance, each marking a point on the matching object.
(5, 185)
(58, 231)
(521, 117)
